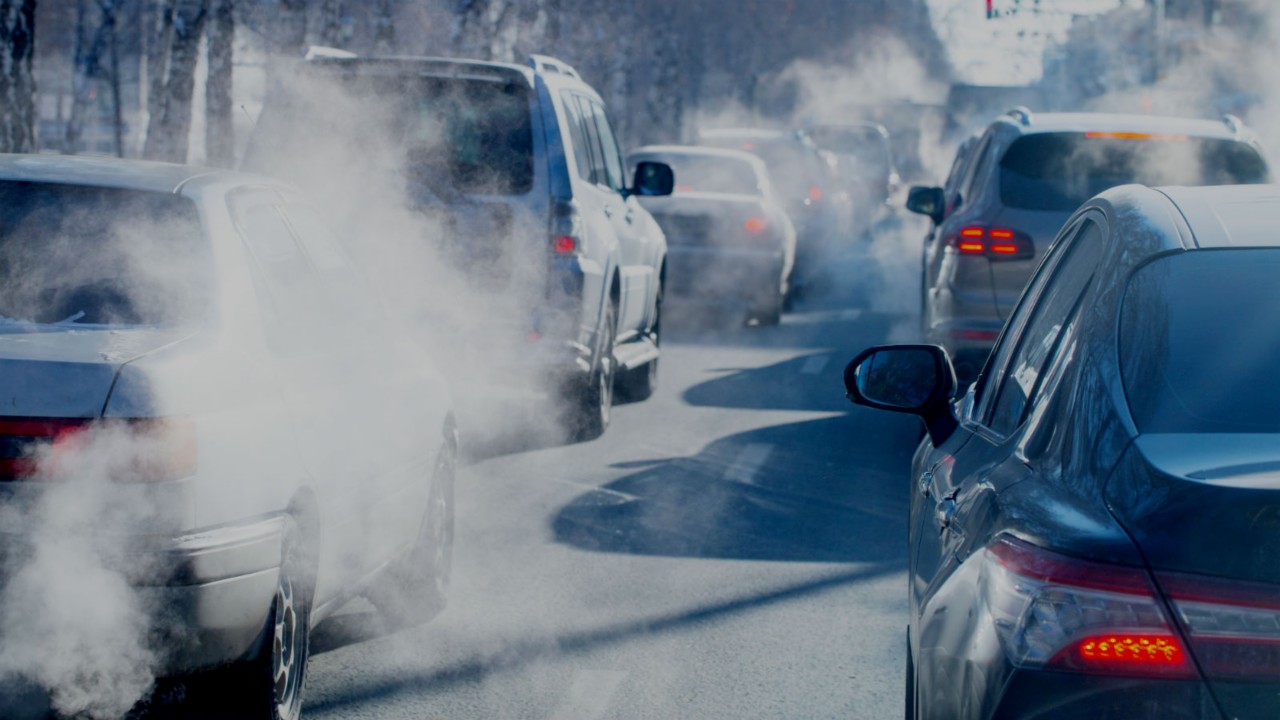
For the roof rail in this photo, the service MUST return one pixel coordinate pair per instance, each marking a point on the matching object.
(1233, 123)
(1022, 114)
(320, 51)
(546, 63)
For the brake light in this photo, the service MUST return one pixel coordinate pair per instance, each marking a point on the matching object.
(1005, 244)
(815, 194)
(684, 188)
(1233, 627)
(1135, 136)
(1058, 612)
(755, 225)
(122, 450)
(567, 228)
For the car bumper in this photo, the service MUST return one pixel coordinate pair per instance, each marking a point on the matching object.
(1043, 695)
(719, 277)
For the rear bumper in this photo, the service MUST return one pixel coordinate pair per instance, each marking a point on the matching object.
(1041, 695)
(724, 277)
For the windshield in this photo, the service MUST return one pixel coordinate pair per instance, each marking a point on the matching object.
(104, 256)
(1059, 171)
(1199, 344)
(867, 144)
(454, 134)
(711, 174)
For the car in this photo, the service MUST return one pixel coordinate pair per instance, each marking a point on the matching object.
(729, 242)
(201, 403)
(866, 165)
(805, 179)
(520, 167)
(1092, 523)
(1024, 177)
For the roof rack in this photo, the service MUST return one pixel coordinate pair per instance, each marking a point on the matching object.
(1233, 123)
(546, 63)
(1022, 114)
(320, 51)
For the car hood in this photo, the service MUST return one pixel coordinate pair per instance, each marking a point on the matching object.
(1203, 503)
(64, 371)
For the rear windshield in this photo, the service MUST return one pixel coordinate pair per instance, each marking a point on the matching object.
(84, 255)
(1200, 345)
(1059, 171)
(793, 166)
(866, 144)
(710, 174)
(472, 135)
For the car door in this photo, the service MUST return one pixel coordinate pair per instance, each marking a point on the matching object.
(596, 201)
(958, 481)
(637, 267)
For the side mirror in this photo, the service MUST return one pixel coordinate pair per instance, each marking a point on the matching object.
(927, 201)
(913, 379)
(654, 179)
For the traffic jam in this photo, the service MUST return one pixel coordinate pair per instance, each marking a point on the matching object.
(766, 360)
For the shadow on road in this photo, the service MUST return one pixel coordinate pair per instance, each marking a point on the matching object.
(751, 497)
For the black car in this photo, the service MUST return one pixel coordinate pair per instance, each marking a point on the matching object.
(1095, 524)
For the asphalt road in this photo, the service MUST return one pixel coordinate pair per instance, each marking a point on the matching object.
(733, 547)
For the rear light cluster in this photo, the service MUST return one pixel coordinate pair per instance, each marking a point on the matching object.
(994, 243)
(755, 225)
(1057, 612)
(567, 228)
(122, 450)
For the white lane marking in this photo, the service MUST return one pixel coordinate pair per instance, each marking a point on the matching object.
(748, 463)
(590, 695)
(815, 364)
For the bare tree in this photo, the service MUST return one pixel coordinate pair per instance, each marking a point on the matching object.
(97, 58)
(173, 85)
(384, 28)
(293, 27)
(17, 86)
(219, 130)
(331, 23)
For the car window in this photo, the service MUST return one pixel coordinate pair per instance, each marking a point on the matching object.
(609, 145)
(976, 168)
(287, 287)
(578, 136)
(103, 256)
(1050, 314)
(958, 166)
(599, 175)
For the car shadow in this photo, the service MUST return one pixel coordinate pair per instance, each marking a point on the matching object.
(750, 496)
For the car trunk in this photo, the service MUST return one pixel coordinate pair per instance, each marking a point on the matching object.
(706, 219)
(1204, 510)
(66, 372)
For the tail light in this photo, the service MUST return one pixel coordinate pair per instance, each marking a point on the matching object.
(1233, 627)
(993, 243)
(755, 225)
(815, 194)
(1056, 612)
(134, 450)
(567, 228)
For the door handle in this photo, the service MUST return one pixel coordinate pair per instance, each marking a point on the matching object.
(630, 217)
(944, 514)
(926, 484)
(608, 211)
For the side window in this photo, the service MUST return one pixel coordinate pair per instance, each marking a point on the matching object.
(1051, 312)
(976, 169)
(598, 173)
(345, 288)
(288, 291)
(612, 155)
(578, 136)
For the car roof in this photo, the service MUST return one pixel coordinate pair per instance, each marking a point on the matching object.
(1035, 123)
(698, 150)
(110, 172)
(1228, 216)
(424, 65)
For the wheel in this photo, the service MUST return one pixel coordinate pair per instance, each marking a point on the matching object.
(270, 686)
(590, 402)
(639, 383)
(416, 587)
(909, 702)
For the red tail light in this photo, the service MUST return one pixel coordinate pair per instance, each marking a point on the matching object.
(1059, 612)
(755, 225)
(1233, 627)
(567, 228)
(123, 450)
(815, 194)
(994, 243)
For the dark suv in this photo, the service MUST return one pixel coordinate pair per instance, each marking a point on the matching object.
(519, 171)
(1011, 189)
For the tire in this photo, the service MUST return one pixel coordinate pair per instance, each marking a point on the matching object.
(909, 700)
(590, 401)
(638, 384)
(416, 587)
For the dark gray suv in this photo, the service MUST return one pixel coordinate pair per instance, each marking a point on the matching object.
(523, 176)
